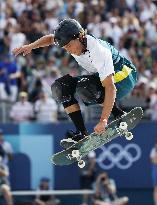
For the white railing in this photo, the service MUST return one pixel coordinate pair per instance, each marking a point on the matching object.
(90, 113)
(53, 192)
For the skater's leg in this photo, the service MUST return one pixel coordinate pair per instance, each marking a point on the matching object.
(63, 91)
(75, 115)
(92, 92)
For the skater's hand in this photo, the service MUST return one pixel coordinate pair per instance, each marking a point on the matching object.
(100, 127)
(26, 49)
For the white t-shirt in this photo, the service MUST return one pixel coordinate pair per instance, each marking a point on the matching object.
(21, 112)
(52, 23)
(95, 29)
(96, 59)
(46, 111)
(148, 12)
(17, 40)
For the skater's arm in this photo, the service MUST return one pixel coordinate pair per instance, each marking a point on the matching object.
(110, 96)
(103, 62)
(41, 42)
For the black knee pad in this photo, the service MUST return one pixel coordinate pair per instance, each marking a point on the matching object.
(90, 90)
(63, 90)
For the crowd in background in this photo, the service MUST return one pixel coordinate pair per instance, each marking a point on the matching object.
(129, 25)
(104, 187)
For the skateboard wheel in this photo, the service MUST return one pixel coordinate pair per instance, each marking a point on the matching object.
(129, 136)
(123, 126)
(75, 153)
(81, 164)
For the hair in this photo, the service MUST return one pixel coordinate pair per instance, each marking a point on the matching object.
(83, 39)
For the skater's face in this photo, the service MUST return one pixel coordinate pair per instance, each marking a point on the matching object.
(74, 47)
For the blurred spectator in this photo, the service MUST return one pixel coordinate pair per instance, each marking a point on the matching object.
(45, 199)
(37, 89)
(22, 111)
(154, 112)
(147, 10)
(6, 146)
(51, 20)
(51, 73)
(95, 26)
(17, 38)
(152, 102)
(8, 79)
(3, 82)
(87, 175)
(13, 75)
(4, 183)
(50, 78)
(116, 31)
(153, 157)
(5, 154)
(106, 193)
(46, 109)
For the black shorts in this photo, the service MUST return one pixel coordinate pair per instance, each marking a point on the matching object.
(89, 89)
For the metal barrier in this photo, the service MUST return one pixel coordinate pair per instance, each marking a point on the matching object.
(53, 192)
(60, 197)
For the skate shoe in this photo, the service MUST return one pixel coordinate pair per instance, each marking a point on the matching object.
(71, 139)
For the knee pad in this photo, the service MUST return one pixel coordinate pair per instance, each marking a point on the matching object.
(63, 90)
(56, 89)
(90, 90)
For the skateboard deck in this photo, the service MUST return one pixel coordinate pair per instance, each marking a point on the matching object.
(93, 141)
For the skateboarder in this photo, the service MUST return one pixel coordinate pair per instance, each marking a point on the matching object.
(112, 75)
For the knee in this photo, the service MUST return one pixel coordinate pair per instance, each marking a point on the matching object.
(56, 89)
(81, 88)
(89, 92)
(63, 90)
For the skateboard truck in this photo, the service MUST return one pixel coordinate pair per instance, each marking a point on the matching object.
(76, 154)
(122, 130)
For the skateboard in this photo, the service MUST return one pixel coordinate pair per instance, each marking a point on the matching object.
(119, 127)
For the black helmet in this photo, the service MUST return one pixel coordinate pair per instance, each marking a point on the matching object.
(66, 31)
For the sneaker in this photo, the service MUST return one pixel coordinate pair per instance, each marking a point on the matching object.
(71, 139)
